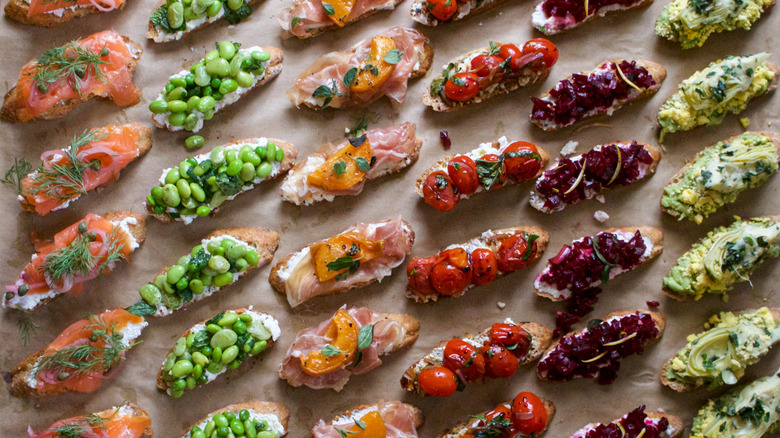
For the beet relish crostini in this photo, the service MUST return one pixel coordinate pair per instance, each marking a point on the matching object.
(477, 262)
(635, 424)
(555, 16)
(526, 415)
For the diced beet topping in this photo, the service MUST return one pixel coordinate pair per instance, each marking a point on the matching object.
(596, 351)
(572, 99)
(567, 182)
(579, 304)
(653, 304)
(446, 142)
(576, 8)
(633, 424)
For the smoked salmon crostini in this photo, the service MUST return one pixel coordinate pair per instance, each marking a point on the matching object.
(126, 421)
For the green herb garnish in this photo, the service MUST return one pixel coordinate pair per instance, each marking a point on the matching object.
(71, 62)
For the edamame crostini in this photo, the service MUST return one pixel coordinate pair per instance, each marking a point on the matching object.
(254, 419)
(172, 19)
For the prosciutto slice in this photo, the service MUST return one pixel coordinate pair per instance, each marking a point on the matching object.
(310, 15)
(329, 70)
(388, 335)
(398, 418)
(392, 147)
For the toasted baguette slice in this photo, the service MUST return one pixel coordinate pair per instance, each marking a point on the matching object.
(298, 292)
(279, 415)
(724, 319)
(265, 324)
(710, 198)
(439, 103)
(658, 319)
(674, 430)
(286, 17)
(421, 12)
(14, 99)
(272, 70)
(398, 415)
(541, 337)
(17, 10)
(476, 423)
(113, 423)
(653, 238)
(538, 201)
(280, 168)
(657, 71)
(555, 25)
(490, 239)
(159, 35)
(401, 148)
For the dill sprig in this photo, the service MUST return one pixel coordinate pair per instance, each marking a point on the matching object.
(78, 427)
(16, 174)
(27, 326)
(71, 62)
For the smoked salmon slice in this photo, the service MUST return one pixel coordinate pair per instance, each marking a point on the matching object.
(126, 421)
(99, 65)
(81, 252)
(38, 7)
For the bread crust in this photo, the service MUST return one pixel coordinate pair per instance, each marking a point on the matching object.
(682, 387)
(17, 10)
(541, 337)
(10, 109)
(442, 162)
(333, 26)
(440, 105)
(655, 235)
(261, 407)
(455, 432)
(774, 136)
(417, 413)
(493, 242)
(660, 323)
(420, 14)
(657, 71)
(593, 16)
(290, 155)
(162, 37)
(272, 71)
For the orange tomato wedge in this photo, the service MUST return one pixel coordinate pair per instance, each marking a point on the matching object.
(331, 257)
(342, 170)
(374, 71)
(374, 427)
(343, 331)
(341, 10)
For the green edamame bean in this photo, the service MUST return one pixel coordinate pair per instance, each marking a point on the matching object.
(228, 86)
(214, 367)
(217, 95)
(177, 106)
(234, 168)
(216, 355)
(169, 361)
(237, 427)
(241, 265)
(231, 155)
(235, 252)
(179, 82)
(215, 83)
(190, 339)
(222, 432)
(177, 119)
(178, 93)
(261, 152)
(228, 319)
(179, 385)
(251, 157)
(211, 56)
(192, 103)
(206, 103)
(202, 79)
(190, 122)
(189, 79)
(227, 50)
(206, 351)
(198, 7)
(150, 201)
(174, 274)
(158, 106)
(234, 4)
(219, 264)
(196, 250)
(209, 114)
(210, 426)
(223, 339)
(172, 176)
(247, 172)
(182, 283)
(270, 151)
(157, 194)
(170, 195)
(196, 286)
(194, 142)
(228, 355)
(249, 428)
(181, 368)
(219, 67)
(244, 79)
(223, 279)
(169, 291)
(245, 317)
(191, 12)
(252, 257)
(168, 87)
(214, 9)
(159, 281)
(213, 328)
(184, 166)
(151, 294)
(217, 155)
(198, 434)
(258, 347)
(203, 210)
(184, 188)
(197, 192)
(239, 327)
(264, 170)
(175, 15)
(197, 371)
(221, 420)
(189, 204)
(200, 359)
(181, 347)
(279, 154)
(190, 382)
(243, 414)
(261, 56)
(266, 434)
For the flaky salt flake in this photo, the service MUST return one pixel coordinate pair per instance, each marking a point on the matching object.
(601, 198)
(569, 148)
(601, 216)
(501, 304)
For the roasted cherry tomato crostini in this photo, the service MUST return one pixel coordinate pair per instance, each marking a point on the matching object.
(526, 415)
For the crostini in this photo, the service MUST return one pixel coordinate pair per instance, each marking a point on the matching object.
(81, 357)
(343, 169)
(725, 86)
(212, 347)
(571, 180)
(50, 13)
(93, 160)
(485, 168)
(309, 18)
(436, 12)
(526, 415)
(257, 418)
(636, 424)
(350, 342)
(373, 68)
(357, 257)
(596, 351)
(220, 260)
(79, 253)
(100, 65)
(719, 173)
(460, 267)
(484, 73)
(720, 354)
(752, 410)
(724, 257)
(552, 17)
(690, 23)
(373, 420)
(612, 85)
(494, 353)
(126, 421)
(200, 185)
(173, 19)
(225, 75)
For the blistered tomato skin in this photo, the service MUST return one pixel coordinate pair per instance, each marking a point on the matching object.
(484, 266)
(499, 362)
(462, 170)
(522, 168)
(439, 192)
(511, 253)
(437, 381)
(528, 413)
(419, 271)
(462, 86)
(502, 174)
(461, 356)
(545, 47)
(448, 279)
(442, 9)
(482, 65)
(509, 51)
(511, 336)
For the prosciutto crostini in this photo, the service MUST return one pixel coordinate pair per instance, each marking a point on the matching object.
(309, 18)
(391, 419)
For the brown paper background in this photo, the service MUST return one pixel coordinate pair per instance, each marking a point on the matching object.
(266, 112)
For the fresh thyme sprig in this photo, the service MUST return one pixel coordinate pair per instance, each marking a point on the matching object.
(76, 258)
(71, 62)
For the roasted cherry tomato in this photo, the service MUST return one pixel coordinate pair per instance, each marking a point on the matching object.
(511, 336)
(513, 253)
(499, 362)
(510, 51)
(448, 279)
(522, 160)
(439, 192)
(462, 86)
(462, 170)
(545, 47)
(442, 9)
(461, 356)
(482, 65)
(500, 178)
(484, 266)
(419, 272)
(501, 412)
(456, 256)
(438, 381)
(528, 413)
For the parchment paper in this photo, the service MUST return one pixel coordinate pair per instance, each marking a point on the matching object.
(267, 112)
